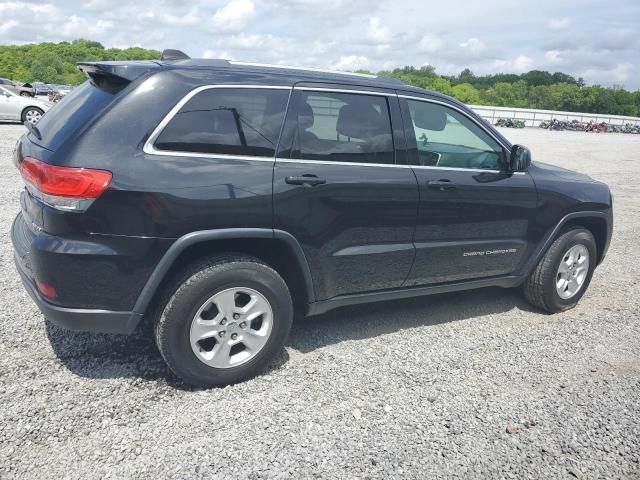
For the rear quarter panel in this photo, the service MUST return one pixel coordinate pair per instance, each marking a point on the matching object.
(164, 195)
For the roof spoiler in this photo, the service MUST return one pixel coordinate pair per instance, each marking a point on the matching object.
(114, 76)
(128, 71)
(170, 54)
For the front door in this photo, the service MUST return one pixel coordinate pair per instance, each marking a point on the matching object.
(339, 191)
(474, 216)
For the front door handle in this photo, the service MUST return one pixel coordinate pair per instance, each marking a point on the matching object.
(442, 184)
(311, 180)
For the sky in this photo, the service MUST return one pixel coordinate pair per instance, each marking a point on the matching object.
(585, 38)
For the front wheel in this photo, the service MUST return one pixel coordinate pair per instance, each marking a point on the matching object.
(562, 276)
(224, 321)
(32, 115)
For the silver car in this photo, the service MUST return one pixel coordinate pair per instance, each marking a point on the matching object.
(15, 108)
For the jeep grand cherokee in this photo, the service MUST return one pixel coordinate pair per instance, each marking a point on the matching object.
(214, 197)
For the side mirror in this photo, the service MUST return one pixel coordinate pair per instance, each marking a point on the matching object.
(520, 158)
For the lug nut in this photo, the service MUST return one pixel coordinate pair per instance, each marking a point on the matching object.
(234, 336)
(221, 334)
(223, 321)
(243, 325)
(236, 316)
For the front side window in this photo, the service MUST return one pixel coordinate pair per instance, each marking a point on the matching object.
(447, 138)
(228, 121)
(343, 127)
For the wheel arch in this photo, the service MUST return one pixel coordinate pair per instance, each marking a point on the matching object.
(599, 223)
(598, 228)
(277, 248)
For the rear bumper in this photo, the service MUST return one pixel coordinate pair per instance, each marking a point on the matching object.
(28, 257)
(79, 319)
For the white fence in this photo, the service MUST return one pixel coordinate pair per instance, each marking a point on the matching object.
(532, 118)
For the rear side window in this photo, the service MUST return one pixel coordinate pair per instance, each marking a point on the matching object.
(342, 127)
(228, 121)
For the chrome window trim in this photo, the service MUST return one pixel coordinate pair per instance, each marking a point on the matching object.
(482, 127)
(344, 90)
(150, 149)
(331, 162)
(386, 165)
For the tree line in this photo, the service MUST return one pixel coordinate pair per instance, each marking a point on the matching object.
(534, 89)
(56, 63)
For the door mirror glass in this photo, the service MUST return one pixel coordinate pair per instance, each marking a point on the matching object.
(520, 158)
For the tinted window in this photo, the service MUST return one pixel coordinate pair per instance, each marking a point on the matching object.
(447, 138)
(343, 127)
(230, 121)
(71, 113)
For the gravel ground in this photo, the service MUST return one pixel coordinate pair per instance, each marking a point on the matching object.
(424, 388)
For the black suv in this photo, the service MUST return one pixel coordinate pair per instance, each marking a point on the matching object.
(215, 198)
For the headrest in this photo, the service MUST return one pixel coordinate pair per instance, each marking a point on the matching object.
(430, 117)
(305, 116)
(360, 121)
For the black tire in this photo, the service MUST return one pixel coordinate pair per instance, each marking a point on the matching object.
(540, 287)
(30, 109)
(25, 94)
(192, 289)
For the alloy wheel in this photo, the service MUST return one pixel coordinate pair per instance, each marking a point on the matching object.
(572, 271)
(231, 327)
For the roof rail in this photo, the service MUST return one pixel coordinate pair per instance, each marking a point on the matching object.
(308, 69)
(170, 54)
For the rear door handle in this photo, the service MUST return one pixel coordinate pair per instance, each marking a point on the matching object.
(310, 180)
(442, 184)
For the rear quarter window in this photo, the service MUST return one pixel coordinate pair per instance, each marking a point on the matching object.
(227, 121)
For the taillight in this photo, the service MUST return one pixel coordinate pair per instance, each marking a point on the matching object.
(66, 188)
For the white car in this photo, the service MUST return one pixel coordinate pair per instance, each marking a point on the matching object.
(14, 108)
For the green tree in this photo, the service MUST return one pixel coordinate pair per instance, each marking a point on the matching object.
(466, 93)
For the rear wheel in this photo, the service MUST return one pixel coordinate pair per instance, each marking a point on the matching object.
(224, 321)
(32, 115)
(561, 278)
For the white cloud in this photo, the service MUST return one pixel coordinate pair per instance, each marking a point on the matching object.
(8, 25)
(234, 15)
(474, 45)
(188, 19)
(520, 64)
(430, 43)
(377, 32)
(559, 23)
(351, 63)
(552, 56)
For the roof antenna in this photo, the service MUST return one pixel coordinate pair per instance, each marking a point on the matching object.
(170, 55)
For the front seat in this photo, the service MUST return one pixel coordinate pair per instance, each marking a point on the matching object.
(305, 121)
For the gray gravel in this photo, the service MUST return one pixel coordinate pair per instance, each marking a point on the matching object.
(424, 388)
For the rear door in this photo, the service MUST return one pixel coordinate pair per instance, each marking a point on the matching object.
(8, 105)
(341, 188)
(474, 216)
